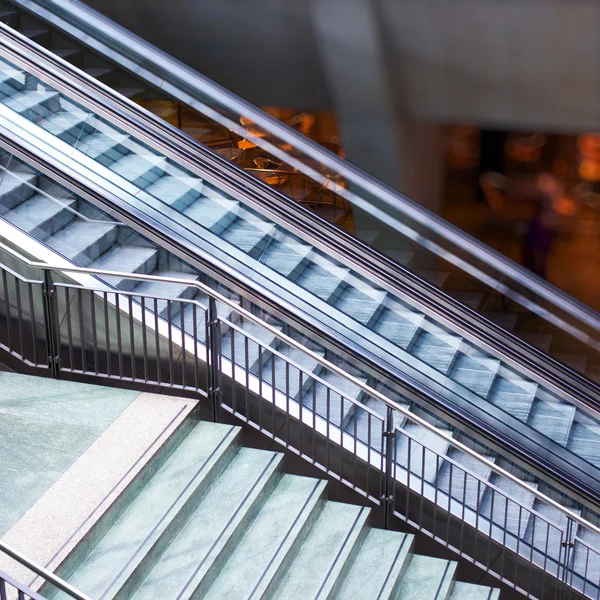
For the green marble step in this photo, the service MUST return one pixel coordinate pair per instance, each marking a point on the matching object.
(378, 567)
(332, 541)
(200, 550)
(268, 546)
(157, 513)
(427, 578)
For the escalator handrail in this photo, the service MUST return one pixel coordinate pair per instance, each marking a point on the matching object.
(248, 315)
(185, 79)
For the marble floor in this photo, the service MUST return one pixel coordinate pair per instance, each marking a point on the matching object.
(45, 425)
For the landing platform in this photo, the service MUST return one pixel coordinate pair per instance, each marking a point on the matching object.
(67, 450)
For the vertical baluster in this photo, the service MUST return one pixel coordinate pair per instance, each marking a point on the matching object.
(19, 315)
(81, 330)
(119, 335)
(132, 338)
(94, 331)
(144, 338)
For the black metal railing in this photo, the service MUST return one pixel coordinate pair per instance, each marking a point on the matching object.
(239, 364)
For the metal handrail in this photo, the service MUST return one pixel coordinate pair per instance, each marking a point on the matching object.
(50, 577)
(316, 357)
(182, 79)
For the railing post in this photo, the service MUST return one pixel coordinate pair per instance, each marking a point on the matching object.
(214, 357)
(51, 324)
(567, 552)
(387, 500)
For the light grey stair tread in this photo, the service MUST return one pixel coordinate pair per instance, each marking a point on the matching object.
(119, 552)
(362, 304)
(427, 577)
(216, 213)
(225, 509)
(325, 283)
(324, 552)
(380, 563)
(249, 233)
(511, 508)
(547, 529)
(585, 440)
(287, 258)
(422, 462)
(459, 483)
(167, 290)
(469, 591)
(60, 122)
(398, 324)
(369, 429)
(340, 408)
(11, 73)
(552, 417)
(37, 210)
(10, 181)
(475, 371)
(515, 396)
(436, 348)
(134, 166)
(200, 309)
(171, 188)
(29, 99)
(282, 371)
(279, 525)
(126, 259)
(97, 143)
(79, 236)
(238, 352)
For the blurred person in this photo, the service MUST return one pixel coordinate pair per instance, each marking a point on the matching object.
(539, 236)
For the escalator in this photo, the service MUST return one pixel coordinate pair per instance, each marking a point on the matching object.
(402, 325)
(171, 207)
(519, 305)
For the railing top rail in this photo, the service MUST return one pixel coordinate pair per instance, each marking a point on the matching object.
(316, 357)
(42, 572)
(148, 59)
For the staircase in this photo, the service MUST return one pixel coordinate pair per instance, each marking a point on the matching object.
(49, 213)
(212, 519)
